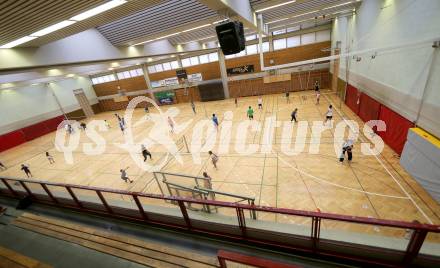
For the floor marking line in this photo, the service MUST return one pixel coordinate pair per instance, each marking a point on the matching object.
(401, 187)
(338, 185)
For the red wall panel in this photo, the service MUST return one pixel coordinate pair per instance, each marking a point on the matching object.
(396, 128)
(11, 139)
(53, 123)
(368, 108)
(35, 131)
(352, 98)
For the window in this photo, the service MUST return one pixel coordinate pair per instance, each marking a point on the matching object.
(251, 37)
(166, 66)
(307, 38)
(251, 49)
(292, 29)
(95, 81)
(203, 59)
(293, 41)
(186, 62)
(120, 76)
(174, 65)
(151, 69)
(282, 31)
(133, 73)
(140, 72)
(158, 67)
(266, 47)
(279, 44)
(241, 54)
(194, 60)
(213, 57)
(323, 36)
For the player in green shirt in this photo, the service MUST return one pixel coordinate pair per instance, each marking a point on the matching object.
(250, 113)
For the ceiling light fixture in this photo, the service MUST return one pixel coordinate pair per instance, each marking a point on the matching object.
(99, 9)
(184, 31)
(158, 38)
(65, 23)
(18, 42)
(274, 6)
(343, 4)
(53, 28)
(195, 28)
(215, 22)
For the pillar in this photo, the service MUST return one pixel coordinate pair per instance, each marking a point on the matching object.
(224, 74)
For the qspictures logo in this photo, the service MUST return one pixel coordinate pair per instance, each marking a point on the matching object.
(207, 135)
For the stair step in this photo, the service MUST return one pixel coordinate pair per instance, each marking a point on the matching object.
(122, 246)
(12, 259)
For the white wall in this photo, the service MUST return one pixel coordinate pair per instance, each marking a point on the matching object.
(396, 78)
(25, 106)
(84, 46)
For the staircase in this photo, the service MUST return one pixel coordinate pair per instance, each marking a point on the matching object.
(125, 247)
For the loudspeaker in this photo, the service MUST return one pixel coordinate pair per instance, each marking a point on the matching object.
(24, 203)
(231, 37)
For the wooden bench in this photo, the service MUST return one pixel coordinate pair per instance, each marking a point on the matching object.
(12, 259)
(126, 247)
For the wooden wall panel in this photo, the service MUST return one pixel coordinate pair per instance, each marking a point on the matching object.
(283, 56)
(294, 54)
(110, 105)
(253, 87)
(246, 60)
(111, 88)
(211, 71)
(162, 75)
(193, 92)
(106, 89)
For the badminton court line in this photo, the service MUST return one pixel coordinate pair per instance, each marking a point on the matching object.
(380, 161)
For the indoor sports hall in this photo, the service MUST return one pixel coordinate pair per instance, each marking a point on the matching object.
(229, 133)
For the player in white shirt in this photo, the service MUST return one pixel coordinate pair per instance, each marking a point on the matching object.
(124, 175)
(260, 103)
(329, 115)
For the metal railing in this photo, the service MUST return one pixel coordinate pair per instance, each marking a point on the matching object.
(198, 188)
(232, 226)
(234, 257)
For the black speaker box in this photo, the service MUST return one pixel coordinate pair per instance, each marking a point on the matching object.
(24, 203)
(231, 37)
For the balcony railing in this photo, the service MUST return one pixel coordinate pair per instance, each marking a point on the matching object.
(357, 238)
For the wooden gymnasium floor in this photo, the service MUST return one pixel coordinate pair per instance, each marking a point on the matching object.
(305, 181)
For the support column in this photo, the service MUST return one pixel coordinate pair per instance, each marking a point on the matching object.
(270, 38)
(57, 100)
(179, 61)
(147, 81)
(224, 74)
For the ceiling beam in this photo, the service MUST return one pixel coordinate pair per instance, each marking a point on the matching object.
(298, 16)
(234, 9)
(176, 31)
